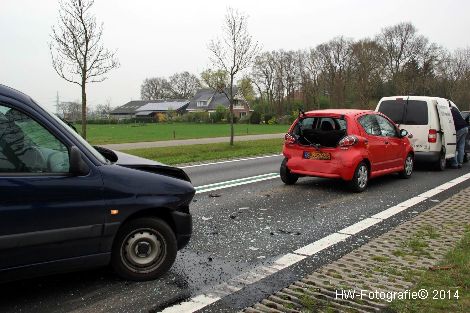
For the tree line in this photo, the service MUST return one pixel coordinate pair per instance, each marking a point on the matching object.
(341, 73)
(355, 74)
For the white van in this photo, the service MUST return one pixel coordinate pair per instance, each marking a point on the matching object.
(429, 122)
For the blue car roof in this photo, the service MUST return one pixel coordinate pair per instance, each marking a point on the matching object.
(14, 94)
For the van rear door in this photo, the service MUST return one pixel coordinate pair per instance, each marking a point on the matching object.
(411, 115)
(447, 127)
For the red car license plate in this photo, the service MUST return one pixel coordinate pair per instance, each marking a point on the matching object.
(317, 155)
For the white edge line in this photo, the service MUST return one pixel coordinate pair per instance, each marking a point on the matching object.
(360, 226)
(389, 212)
(203, 300)
(321, 244)
(230, 161)
(192, 305)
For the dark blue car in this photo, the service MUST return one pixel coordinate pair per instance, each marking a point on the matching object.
(65, 205)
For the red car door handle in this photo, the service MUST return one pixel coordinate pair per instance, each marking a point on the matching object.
(386, 142)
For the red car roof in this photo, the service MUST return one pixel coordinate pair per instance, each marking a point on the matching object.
(349, 112)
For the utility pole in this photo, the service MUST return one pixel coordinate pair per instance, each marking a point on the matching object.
(57, 103)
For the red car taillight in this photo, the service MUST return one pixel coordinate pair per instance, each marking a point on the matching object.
(348, 141)
(432, 136)
(289, 139)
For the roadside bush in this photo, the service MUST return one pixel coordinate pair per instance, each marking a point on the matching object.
(196, 117)
(177, 118)
(272, 121)
(244, 120)
(255, 117)
(235, 120)
(144, 119)
(267, 117)
(160, 118)
(220, 113)
(99, 121)
(285, 119)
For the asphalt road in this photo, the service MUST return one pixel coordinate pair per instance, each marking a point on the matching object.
(236, 229)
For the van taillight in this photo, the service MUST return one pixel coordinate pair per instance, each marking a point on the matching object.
(432, 136)
(348, 141)
(289, 139)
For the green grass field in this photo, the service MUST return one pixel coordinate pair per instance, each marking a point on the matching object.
(123, 133)
(210, 152)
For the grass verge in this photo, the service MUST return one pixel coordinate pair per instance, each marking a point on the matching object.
(124, 133)
(209, 152)
(450, 279)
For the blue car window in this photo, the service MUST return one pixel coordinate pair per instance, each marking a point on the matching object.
(27, 147)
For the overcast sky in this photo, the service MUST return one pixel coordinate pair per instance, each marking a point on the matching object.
(159, 38)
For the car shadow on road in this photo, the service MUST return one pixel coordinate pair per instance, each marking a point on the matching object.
(342, 187)
(39, 293)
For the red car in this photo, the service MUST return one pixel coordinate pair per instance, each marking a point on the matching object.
(353, 145)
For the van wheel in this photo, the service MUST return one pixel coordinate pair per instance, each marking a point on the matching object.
(408, 167)
(286, 176)
(441, 164)
(144, 249)
(360, 178)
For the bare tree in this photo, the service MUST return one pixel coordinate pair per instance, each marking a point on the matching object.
(401, 44)
(368, 59)
(183, 85)
(102, 110)
(335, 57)
(234, 53)
(155, 88)
(310, 70)
(69, 111)
(217, 80)
(245, 87)
(263, 73)
(77, 50)
(454, 74)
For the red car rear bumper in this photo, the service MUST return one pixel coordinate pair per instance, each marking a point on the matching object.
(342, 165)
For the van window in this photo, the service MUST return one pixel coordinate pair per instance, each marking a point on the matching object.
(394, 109)
(416, 113)
(411, 112)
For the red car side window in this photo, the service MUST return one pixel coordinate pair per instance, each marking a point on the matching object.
(370, 125)
(387, 129)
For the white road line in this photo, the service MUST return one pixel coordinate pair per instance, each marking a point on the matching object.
(430, 193)
(287, 260)
(389, 212)
(284, 261)
(360, 226)
(235, 182)
(230, 161)
(321, 244)
(412, 201)
(193, 305)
